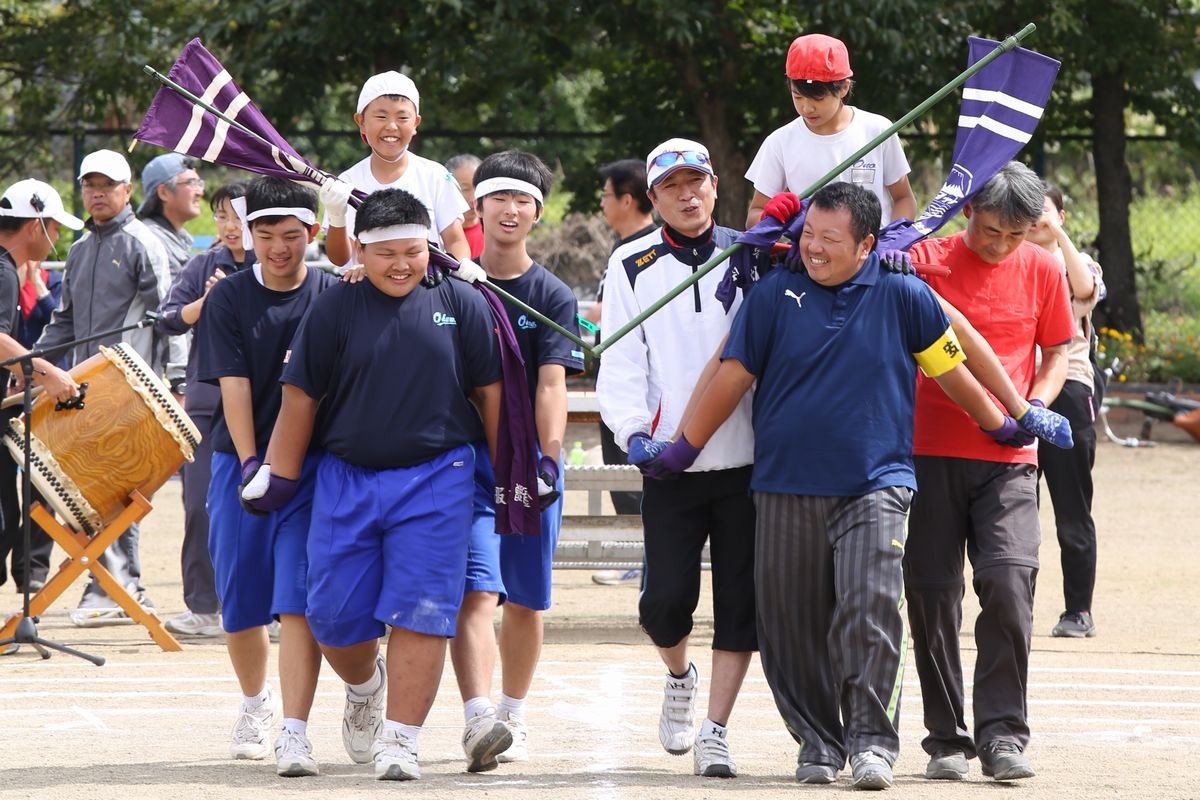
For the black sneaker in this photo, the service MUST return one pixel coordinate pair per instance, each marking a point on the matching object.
(1004, 761)
(1075, 625)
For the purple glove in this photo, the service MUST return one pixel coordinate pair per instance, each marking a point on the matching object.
(547, 482)
(249, 467)
(1010, 434)
(266, 492)
(674, 459)
(642, 449)
(1047, 425)
(897, 261)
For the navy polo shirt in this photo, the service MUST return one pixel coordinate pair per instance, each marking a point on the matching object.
(245, 332)
(539, 344)
(833, 407)
(394, 373)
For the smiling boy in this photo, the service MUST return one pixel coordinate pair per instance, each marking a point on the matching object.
(259, 562)
(387, 115)
(510, 191)
(392, 512)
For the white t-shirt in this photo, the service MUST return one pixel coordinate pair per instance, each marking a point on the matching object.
(793, 158)
(426, 180)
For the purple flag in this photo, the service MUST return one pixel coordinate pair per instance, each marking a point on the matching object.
(516, 498)
(176, 123)
(1001, 107)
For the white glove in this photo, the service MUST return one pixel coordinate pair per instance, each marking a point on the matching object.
(544, 487)
(257, 486)
(469, 271)
(335, 195)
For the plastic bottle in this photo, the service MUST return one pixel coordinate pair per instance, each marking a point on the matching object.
(576, 455)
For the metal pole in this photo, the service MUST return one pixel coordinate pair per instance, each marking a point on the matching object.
(1008, 44)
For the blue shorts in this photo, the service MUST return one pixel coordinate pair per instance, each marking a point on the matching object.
(516, 567)
(389, 547)
(260, 564)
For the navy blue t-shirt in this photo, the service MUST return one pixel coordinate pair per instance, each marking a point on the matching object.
(833, 407)
(541, 289)
(245, 332)
(394, 373)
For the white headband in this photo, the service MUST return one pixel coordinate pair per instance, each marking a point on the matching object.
(305, 215)
(391, 232)
(493, 185)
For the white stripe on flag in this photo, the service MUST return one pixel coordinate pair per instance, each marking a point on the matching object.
(1007, 131)
(1006, 100)
(193, 129)
(222, 130)
(275, 154)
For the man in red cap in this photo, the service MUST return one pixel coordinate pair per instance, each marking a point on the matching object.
(826, 132)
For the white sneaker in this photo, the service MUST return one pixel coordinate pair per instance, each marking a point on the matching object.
(97, 610)
(483, 737)
(676, 726)
(252, 731)
(711, 756)
(870, 771)
(519, 749)
(293, 756)
(362, 719)
(273, 630)
(395, 758)
(189, 623)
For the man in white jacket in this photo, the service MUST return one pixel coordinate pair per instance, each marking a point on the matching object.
(643, 390)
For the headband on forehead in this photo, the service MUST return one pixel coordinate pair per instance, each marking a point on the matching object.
(493, 185)
(390, 232)
(305, 215)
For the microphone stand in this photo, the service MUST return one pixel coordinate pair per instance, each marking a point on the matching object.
(26, 632)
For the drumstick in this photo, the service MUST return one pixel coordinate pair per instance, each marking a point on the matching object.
(19, 397)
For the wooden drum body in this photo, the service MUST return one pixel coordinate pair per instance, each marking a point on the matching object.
(130, 434)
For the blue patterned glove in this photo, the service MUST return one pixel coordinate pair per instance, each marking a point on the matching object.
(642, 449)
(1047, 425)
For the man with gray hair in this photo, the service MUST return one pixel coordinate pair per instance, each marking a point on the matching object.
(462, 168)
(981, 495)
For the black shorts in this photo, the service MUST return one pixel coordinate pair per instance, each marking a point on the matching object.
(678, 517)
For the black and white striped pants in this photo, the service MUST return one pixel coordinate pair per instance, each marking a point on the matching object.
(831, 635)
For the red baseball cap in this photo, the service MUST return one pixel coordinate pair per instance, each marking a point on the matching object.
(817, 57)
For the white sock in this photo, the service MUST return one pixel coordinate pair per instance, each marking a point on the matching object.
(476, 706)
(510, 707)
(370, 687)
(257, 700)
(296, 726)
(410, 732)
(710, 729)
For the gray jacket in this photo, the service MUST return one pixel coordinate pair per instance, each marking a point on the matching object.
(114, 274)
(178, 244)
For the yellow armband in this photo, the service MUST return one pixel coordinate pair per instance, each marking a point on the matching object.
(941, 356)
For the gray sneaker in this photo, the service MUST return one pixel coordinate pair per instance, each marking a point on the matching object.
(190, 623)
(812, 772)
(1075, 625)
(947, 765)
(870, 771)
(1004, 761)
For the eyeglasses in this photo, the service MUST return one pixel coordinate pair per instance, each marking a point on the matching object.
(194, 183)
(689, 157)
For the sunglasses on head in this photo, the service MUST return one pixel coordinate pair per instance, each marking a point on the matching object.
(672, 157)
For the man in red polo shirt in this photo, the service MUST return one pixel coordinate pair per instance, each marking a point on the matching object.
(981, 494)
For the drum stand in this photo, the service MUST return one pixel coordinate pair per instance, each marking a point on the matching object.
(84, 552)
(22, 628)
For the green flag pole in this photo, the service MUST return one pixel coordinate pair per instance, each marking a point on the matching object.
(1008, 44)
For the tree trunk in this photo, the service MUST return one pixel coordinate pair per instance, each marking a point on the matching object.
(1113, 187)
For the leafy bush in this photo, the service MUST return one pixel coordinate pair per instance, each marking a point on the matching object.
(1172, 350)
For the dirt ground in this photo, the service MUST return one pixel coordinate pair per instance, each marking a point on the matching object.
(1116, 716)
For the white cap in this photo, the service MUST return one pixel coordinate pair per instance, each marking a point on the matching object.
(29, 199)
(106, 162)
(390, 82)
(700, 161)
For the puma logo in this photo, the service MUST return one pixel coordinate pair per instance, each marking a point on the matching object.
(791, 294)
